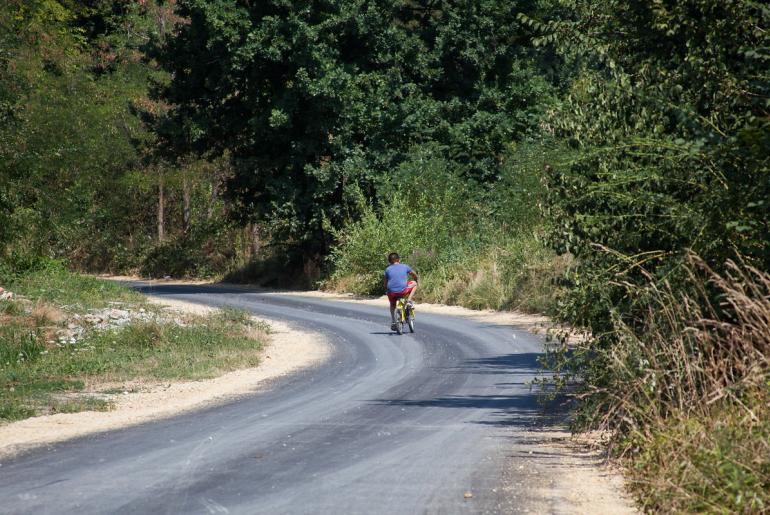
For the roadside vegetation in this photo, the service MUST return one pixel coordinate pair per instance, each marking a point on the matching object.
(664, 208)
(67, 342)
(600, 161)
(473, 246)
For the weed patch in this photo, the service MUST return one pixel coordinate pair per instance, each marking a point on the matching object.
(685, 390)
(40, 374)
(54, 285)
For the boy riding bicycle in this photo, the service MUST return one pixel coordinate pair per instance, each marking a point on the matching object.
(398, 285)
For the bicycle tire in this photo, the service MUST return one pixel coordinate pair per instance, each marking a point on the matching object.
(410, 321)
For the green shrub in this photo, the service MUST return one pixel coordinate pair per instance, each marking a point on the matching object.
(472, 246)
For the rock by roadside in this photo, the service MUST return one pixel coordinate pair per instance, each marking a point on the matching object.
(108, 319)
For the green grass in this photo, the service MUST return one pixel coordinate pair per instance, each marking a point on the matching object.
(33, 375)
(58, 286)
(717, 462)
(11, 308)
(39, 377)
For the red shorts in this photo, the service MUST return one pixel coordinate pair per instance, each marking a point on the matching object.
(393, 297)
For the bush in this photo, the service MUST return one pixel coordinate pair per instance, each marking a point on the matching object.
(686, 390)
(472, 246)
(207, 250)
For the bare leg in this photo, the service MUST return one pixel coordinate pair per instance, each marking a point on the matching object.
(411, 293)
(393, 313)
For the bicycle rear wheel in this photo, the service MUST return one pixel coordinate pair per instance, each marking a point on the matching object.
(410, 319)
(400, 320)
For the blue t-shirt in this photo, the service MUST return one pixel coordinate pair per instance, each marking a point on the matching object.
(397, 277)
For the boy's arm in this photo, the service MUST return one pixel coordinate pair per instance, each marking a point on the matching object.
(414, 274)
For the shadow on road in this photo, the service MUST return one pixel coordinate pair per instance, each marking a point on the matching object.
(525, 362)
(186, 289)
(525, 406)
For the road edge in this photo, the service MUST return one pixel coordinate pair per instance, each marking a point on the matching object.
(288, 351)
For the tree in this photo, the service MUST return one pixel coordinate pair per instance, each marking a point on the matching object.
(670, 121)
(318, 102)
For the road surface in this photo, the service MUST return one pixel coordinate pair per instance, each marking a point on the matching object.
(388, 425)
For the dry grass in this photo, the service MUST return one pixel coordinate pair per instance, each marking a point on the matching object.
(689, 394)
(45, 314)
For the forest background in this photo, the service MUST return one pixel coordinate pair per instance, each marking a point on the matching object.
(604, 162)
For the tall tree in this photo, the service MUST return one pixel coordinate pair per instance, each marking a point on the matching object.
(671, 120)
(319, 101)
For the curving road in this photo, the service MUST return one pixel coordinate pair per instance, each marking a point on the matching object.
(389, 424)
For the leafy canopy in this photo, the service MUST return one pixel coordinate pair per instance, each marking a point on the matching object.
(319, 101)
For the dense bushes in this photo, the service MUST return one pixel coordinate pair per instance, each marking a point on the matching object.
(80, 174)
(671, 129)
(472, 245)
(685, 390)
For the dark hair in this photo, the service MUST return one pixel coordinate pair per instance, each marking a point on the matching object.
(393, 257)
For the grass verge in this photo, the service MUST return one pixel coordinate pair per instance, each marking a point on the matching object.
(40, 376)
(685, 392)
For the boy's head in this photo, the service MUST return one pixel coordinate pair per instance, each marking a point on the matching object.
(393, 258)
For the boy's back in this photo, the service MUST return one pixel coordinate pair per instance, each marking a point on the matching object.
(397, 277)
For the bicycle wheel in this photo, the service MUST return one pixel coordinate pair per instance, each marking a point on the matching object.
(410, 319)
(399, 318)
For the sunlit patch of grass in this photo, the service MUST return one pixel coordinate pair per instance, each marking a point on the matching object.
(37, 377)
(59, 287)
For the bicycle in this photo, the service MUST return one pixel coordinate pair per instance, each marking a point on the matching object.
(404, 315)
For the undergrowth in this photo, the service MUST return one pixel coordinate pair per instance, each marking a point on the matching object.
(473, 247)
(38, 375)
(50, 281)
(685, 392)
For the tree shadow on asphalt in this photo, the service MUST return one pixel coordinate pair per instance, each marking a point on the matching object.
(523, 362)
(528, 409)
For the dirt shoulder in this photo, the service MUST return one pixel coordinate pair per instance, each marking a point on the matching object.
(288, 350)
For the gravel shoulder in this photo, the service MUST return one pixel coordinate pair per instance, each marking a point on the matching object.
(288, 350)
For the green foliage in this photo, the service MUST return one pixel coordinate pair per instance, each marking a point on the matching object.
(345, 90)
(475, 246)
(669, 117)
(206, 250)
(671, 123)
(70, 133)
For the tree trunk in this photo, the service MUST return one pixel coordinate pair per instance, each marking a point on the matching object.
(185, 203)
(161, 208)
(213, 199)
(256, 241)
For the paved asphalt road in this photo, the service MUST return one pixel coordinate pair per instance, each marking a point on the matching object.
(390, 424)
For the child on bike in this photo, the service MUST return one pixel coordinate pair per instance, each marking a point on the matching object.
(398, 285)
